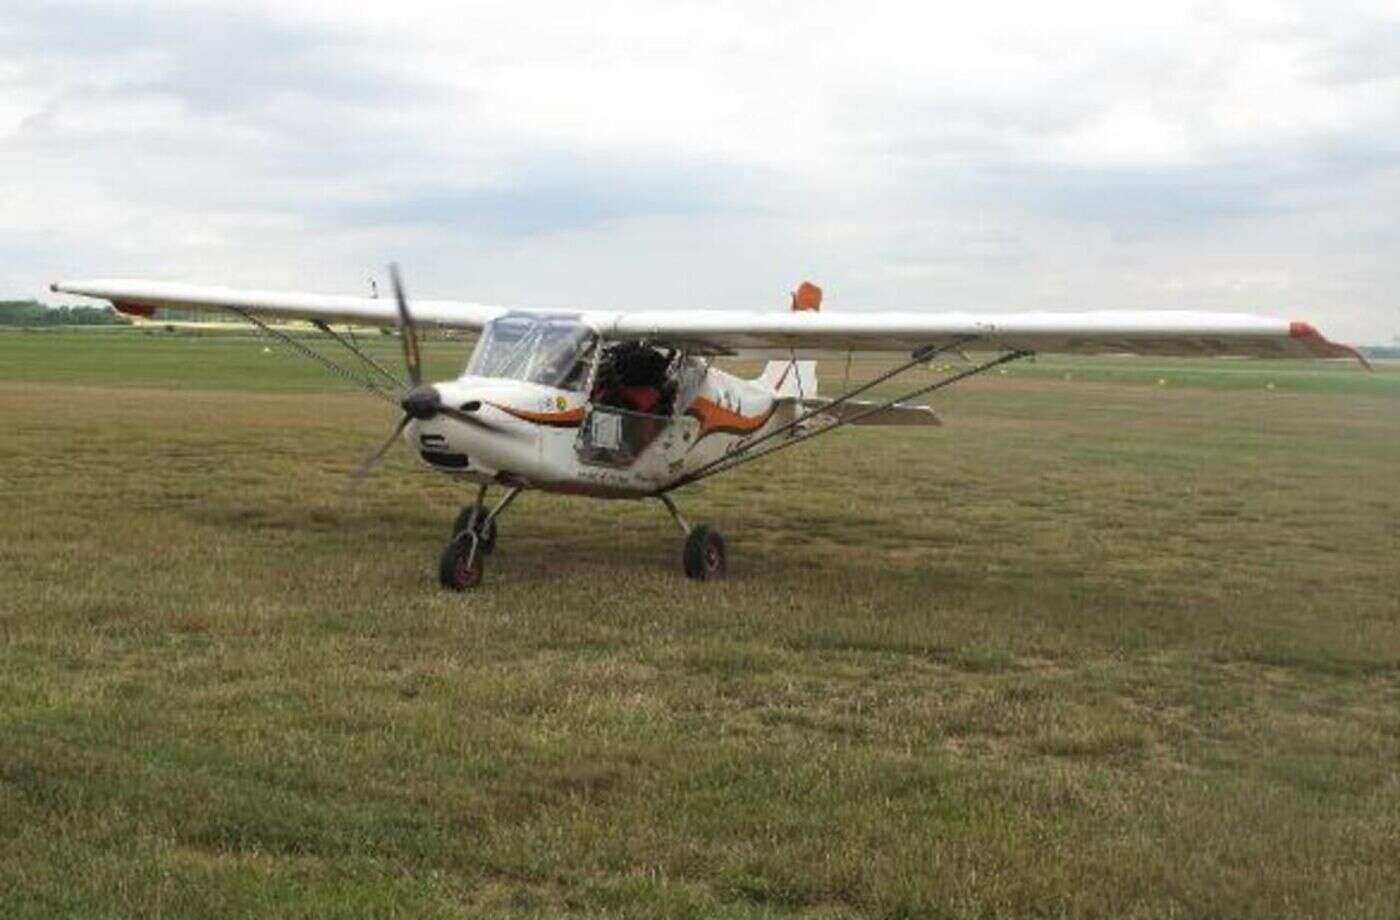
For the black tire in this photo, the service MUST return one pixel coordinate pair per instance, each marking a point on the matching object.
(455, 573)
(487, 536)
(704, 557)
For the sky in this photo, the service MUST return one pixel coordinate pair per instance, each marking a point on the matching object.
(991, 156)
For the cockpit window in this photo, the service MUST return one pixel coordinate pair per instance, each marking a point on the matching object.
(550, 351)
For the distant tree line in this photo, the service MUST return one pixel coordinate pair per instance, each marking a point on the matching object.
(33, 313)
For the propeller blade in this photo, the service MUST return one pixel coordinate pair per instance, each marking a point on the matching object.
(408, 333)
(364, 468)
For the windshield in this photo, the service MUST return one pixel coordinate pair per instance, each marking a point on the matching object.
(550, 351)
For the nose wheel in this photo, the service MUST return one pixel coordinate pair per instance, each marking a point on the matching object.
(463, 560)
(462, 563)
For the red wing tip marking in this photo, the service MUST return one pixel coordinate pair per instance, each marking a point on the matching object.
(1318, 344)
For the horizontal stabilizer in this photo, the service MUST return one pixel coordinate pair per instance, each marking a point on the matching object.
(898, 414)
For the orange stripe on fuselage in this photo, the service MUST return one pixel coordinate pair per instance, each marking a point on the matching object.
(713, 418)
(716, 419)
(569, 418)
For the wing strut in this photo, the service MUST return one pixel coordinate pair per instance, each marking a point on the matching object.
(746, 452)
(308, 352)
(353, 347)
(919, 356)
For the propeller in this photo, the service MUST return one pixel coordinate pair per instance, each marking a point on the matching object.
(372, 461)
(408, 333)
(420, 401)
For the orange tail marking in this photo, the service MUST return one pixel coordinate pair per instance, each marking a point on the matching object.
(807, 297)
(716, 418)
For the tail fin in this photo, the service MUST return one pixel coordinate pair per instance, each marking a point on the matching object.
(790, 379)
(807, 297)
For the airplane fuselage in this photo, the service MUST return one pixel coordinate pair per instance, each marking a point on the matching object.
(560, 440)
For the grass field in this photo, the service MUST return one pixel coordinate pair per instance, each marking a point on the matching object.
(1121, 640)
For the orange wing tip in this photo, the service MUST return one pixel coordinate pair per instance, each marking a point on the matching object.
(1319, 345)
(807, 297)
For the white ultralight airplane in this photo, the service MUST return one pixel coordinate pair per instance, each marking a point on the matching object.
(628, 404)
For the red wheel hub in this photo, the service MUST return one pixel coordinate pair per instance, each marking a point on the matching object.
(467, 573)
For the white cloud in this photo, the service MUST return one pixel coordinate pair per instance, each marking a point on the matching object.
(1226, 154)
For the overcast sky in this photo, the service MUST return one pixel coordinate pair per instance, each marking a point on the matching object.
(1241, 156)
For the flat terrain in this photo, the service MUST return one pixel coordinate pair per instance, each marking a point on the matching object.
(1121, 640)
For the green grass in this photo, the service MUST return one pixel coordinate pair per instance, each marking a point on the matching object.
(1100, 647)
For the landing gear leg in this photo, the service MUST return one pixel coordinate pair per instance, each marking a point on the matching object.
(703, 557)
(474, 517)
(463, 560)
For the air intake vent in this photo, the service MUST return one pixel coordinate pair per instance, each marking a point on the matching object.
(445, 460)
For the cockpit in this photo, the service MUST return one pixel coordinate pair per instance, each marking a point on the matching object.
(553, 351)
(633, 390)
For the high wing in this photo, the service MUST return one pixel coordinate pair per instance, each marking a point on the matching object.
(780, 333)
(143, 298)
(1128, 332)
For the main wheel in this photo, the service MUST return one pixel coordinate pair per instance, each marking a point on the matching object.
(466, 518)
(704, 553)
(457, 570)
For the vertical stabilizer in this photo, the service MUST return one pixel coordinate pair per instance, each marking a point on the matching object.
(807, 297)
(790, 379)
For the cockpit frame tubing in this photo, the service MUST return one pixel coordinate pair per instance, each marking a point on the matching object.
(599, 342)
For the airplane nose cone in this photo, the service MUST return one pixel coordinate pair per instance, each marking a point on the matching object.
(421, 402)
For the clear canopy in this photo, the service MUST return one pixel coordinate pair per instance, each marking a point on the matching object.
(551, 351)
